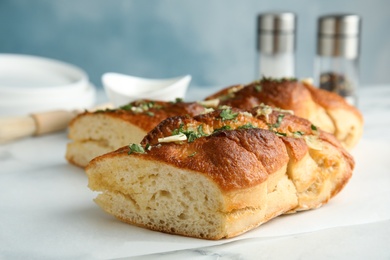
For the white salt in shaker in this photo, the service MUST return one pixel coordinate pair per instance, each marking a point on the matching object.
(276, 45)
(337, 61)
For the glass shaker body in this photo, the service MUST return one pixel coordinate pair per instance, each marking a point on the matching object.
(337, 61)
(276, 65)
(276, 45)
(338, 74)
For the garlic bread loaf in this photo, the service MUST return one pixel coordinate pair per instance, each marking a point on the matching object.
(325, 109)
(99, 132)
(220, 174)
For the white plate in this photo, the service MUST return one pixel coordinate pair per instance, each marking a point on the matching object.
(25, 76)
(83, 101)
(31, 84)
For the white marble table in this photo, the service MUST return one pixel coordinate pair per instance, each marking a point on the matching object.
(47, 212)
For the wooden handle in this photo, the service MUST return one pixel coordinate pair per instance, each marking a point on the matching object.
(16, 127)
(12, 128)
(52, 121)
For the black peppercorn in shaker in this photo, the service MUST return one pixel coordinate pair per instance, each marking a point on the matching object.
(337, 62)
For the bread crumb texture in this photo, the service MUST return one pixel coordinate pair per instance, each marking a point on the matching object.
(235, 171)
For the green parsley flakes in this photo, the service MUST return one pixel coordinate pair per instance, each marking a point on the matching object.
(149, 113)
(278, 122)
(191, 135)
(192, 155)
(126, 107)
(136, 148)
(298, 133)
(227, 114)
(280, 134)
(225, 127)
(247, 126)
(258, 88)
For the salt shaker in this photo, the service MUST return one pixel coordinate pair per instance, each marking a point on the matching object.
(276, 44)
(337, 61)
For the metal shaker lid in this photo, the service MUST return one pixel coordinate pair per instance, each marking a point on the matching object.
(338, 35)
(276, 32)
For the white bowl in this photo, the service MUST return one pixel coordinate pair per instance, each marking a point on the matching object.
(122, 89)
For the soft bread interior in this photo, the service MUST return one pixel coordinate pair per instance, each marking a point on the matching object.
(162, 197)
(348, 127)
(80, 153)
(321, 119)
(98, 133)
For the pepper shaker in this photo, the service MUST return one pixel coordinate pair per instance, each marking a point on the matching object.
(337, 61)
(276, 44)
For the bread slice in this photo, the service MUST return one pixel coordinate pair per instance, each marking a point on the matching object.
(325, 109)
(232, 171)
(96, 133)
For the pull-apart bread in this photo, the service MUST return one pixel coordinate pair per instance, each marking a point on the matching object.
(96, 133)
(220, 174)
(325, 109)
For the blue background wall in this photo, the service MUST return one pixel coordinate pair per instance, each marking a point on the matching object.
(213, 40)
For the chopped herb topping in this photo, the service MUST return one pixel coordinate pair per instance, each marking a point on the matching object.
(126, 107)
(246, 126)
(136, 148)
(177, 100)
(280, 134)
(150, 113)
(178, 130)
(298, 133)
(258, 88)
(200, 130)
(190, 134)
(227, 96)
(313, 127)
(278, 122)
(225, 127)
(192, 155)
(140, 107)
(227, 114)
(278, 80)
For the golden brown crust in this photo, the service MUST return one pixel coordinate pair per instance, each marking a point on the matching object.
(146, 114)
(330, 100)
(325, 109)
(297, 147)
(221, 155)
(284, 93)
(277, 120)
